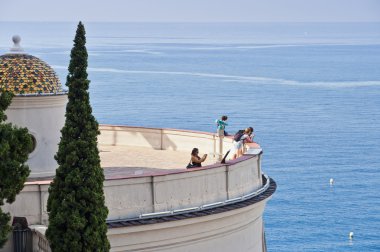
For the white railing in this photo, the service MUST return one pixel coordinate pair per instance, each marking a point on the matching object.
(40, 243)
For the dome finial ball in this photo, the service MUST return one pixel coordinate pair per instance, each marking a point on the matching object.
(16, 39)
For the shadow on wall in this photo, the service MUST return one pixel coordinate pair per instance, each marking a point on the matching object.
(139, 136)
(169, 144)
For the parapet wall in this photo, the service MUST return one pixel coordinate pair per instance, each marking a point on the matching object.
(178, 190)
(161, 139)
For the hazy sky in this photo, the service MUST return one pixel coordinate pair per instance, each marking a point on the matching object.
(191, 10)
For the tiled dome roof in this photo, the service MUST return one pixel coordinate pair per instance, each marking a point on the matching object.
(26, 74)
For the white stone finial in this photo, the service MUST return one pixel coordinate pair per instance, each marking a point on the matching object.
(16, 47)
(16, 39)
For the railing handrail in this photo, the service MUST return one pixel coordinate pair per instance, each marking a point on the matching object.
(40, 242)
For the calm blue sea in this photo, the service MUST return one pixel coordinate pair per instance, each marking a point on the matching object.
(311, 91)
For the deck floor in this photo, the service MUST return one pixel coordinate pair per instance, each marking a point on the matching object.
(122, 161)
(127, 160)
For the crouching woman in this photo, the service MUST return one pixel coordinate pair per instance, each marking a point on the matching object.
(196, 160)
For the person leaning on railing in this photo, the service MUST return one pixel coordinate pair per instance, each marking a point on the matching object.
(238, 146)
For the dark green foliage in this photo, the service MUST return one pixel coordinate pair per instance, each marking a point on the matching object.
(15, 146)
(5, 228)
(76, 205)
(5, 101)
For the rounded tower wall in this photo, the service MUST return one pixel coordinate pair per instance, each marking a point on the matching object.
(44, 116)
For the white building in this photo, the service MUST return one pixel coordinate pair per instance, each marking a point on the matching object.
(154, 203)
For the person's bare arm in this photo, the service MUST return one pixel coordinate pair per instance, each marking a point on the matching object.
(198, 160)
(249, 139)
(203, 158)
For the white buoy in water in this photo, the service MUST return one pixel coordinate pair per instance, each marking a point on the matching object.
(331, 181)
(351, 235)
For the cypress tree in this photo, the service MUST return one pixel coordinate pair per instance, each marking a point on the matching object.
(15, 146)
(76, 205)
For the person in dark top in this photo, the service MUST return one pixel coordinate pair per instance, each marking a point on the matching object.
(195, 160)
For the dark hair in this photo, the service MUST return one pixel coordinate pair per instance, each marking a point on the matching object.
(224, 118)
(247, 130)
(194, 151)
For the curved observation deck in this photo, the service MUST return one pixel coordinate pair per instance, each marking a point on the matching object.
(172, 189)
(156, 204)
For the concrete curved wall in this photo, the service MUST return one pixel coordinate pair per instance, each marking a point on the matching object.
(44, 116)
(177, 190)
(236, 230)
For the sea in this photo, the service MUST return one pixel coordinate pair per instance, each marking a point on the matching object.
(311, 91)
